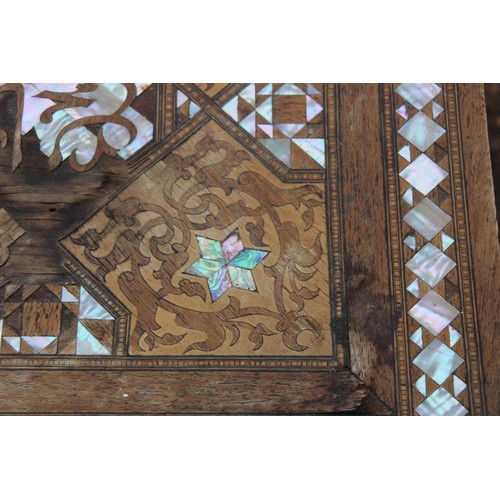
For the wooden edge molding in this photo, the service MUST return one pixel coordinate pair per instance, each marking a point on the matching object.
(464, 249)
(369, 300)
(483, 227)
(403, 393)
(189, 392)
(165, 110)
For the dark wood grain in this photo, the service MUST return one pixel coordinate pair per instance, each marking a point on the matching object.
(484, 236)
(188, 392)
(48, 204)
(369, 306)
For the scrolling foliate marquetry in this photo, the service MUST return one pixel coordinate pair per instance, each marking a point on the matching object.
(84, 121)
(438, 365)
(143, 242)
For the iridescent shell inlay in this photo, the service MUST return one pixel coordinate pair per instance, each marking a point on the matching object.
(226, 264)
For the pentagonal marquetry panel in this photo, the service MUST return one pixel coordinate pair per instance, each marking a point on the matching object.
(214, 255)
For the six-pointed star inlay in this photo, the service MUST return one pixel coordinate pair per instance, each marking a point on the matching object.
(226, 264)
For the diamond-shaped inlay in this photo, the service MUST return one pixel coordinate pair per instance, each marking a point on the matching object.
(438, 361)
(417, 337)
(454, 336)
(418, 94)
(405, 152)
(421, 131)
(423, 174)
(441, 403)
(458, 385)
(427, 218)
(414, 289)
(421, 385)
(433, 312)
(410, 242)
(430, 264)
(226, 264)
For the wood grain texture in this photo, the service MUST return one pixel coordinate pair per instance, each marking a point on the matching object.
(369, 302)
(11, 112)
(142, 244)
(166, 392)
(49, 205)
(10, 232)
(211, 89)
(484, 236)
(271, 161)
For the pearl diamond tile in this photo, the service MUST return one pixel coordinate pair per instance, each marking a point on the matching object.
(430, 264)
(427, 218)
(433, 312)
(441, 403)
(423, 174)
(421, 131)
(418, 94)
(438, 361)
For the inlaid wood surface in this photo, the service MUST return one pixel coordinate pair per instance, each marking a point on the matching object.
(10, 232)
(205, 190)
(242, 248)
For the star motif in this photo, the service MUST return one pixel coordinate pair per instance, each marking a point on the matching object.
(226, 264)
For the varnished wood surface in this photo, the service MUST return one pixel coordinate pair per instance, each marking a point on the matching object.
(46, 205)
(484, 233)
(50, 205)
(208, 188)
(10, 232)
(365, 239)
(191, 392)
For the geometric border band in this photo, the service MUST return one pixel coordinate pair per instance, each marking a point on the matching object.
(436, 334)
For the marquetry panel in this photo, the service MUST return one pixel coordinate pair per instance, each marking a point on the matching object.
(49, 191)
(213, 255)
(54, 319)
(283, 124)
(149, 230)
(64, 115)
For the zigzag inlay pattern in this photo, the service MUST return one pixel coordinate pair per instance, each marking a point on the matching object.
(436, 347)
